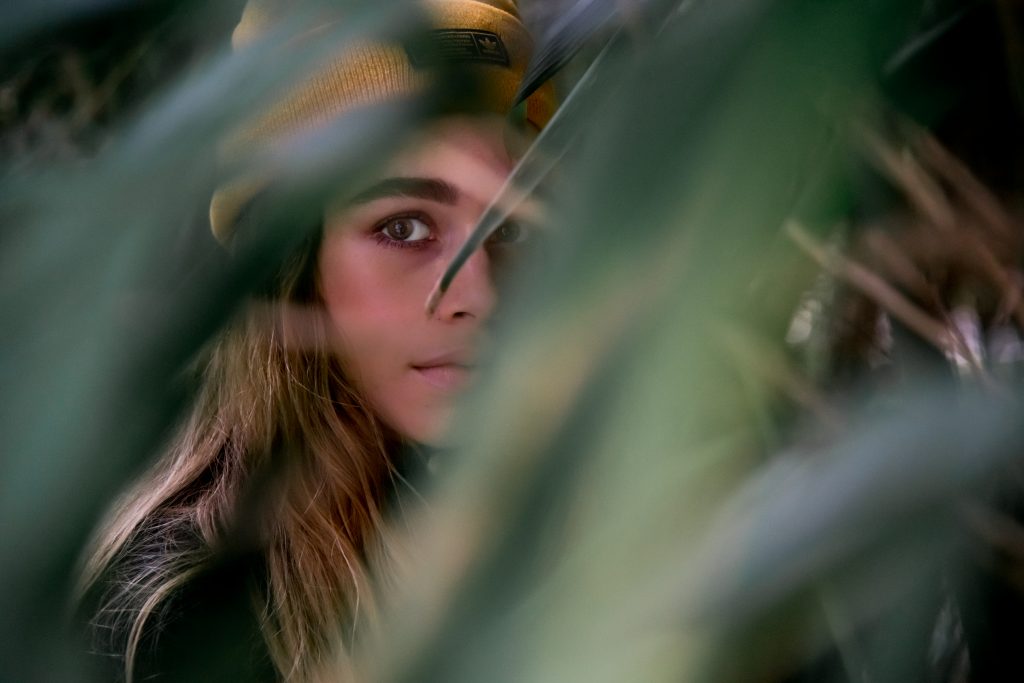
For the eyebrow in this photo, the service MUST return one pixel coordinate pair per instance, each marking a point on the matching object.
(433, 189)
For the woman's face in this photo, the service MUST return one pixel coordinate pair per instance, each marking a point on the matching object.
(382, 255)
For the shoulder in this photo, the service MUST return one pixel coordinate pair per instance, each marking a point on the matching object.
(208, 629)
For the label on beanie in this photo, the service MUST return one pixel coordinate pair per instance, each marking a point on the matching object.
(458, 45)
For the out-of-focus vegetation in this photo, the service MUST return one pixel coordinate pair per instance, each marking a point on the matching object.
(753, 417)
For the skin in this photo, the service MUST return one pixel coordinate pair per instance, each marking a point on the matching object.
(381, 257)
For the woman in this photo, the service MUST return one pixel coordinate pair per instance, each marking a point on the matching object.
(265, 520)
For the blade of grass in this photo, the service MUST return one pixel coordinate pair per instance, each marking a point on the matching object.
(545, 152)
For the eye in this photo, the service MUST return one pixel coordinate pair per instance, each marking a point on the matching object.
(405, 229)
(510, 232)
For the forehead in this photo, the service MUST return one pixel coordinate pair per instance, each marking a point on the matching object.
(470, 153)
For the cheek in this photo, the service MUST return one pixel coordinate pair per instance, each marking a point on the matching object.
(374, 302)
(366, 302)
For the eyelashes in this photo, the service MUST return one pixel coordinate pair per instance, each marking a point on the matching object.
(405, 231)
(389, 243)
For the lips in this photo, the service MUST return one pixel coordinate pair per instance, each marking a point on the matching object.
(449, 371)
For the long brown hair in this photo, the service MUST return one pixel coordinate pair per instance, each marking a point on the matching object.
(270, 405)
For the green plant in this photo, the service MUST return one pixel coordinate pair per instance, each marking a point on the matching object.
(652, 484)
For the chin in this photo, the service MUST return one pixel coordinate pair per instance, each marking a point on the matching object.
(430, 428)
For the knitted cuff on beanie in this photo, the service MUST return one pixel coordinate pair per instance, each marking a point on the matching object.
(487, 36)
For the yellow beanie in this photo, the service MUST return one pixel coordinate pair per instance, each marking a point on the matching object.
(485, 35)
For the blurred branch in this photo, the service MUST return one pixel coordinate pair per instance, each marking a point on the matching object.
(974, 227)
(924, 194)
(973, 192)
(881, 292)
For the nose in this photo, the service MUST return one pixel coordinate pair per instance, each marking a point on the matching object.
(471, 296)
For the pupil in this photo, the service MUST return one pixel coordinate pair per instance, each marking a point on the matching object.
(508, 232)
(400, 230)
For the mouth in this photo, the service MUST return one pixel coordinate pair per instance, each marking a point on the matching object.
(448, 371)
(445, 376)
